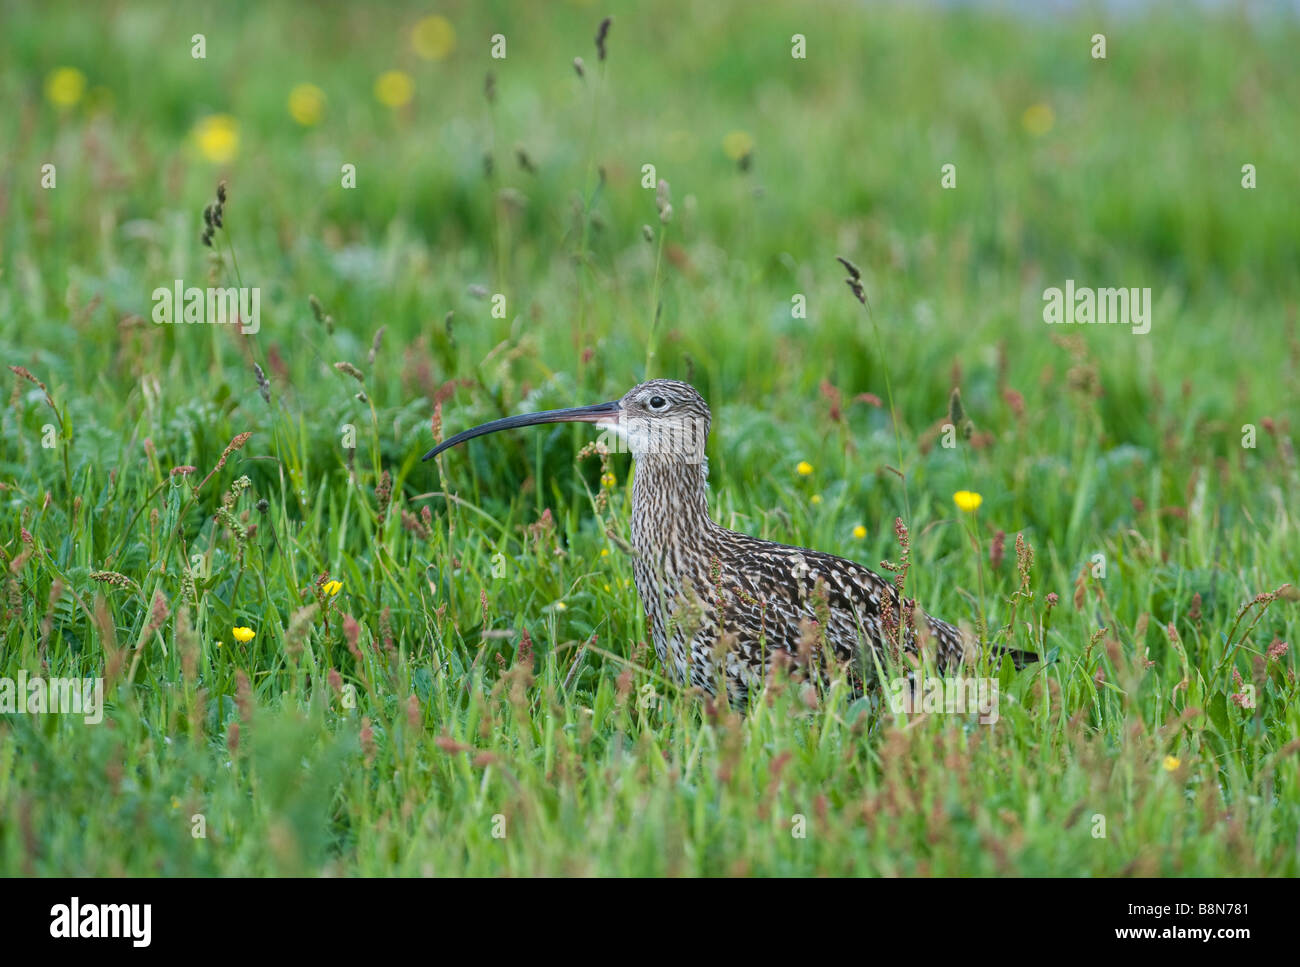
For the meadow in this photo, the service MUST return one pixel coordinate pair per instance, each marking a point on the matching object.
(321, 656)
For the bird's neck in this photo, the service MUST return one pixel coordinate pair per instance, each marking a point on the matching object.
(669, 503)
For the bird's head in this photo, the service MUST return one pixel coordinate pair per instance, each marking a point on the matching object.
(664, 418)
(658, 418)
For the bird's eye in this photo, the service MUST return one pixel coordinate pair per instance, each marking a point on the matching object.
(657, 402)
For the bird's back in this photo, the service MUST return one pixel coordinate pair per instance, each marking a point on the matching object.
(740, 603)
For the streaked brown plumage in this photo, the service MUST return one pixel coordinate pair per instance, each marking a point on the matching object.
(723, 607)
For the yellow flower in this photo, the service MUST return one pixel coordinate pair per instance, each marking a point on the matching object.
(65, 86)
(220, 644)
(1172, 762)
(804, 468)
(737, 144)
(332, 587)
(218, 138)
(394, 89)
(816, 499)
(1038, 119)
(859, 532)
(243, 635)
(306, 104)
(560, 606)
(433, 38)
(967, 500)
(176, 803)
(608, 479)
(604, 552)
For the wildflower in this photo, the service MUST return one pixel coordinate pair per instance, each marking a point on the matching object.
(608, 479)
(243, 635)
(394, 89)
(433, 38)
(1038, 118)
(1278, 648)
(737, 145)
(804, 468)
(604, 552)
(306, 104)
(221, 644)
(65, 86)
(217, 137)
(859, 532)
(560, 606)
(1172, 762)
(967, 500)
(176, 803)
(332, 587)
(816, 499)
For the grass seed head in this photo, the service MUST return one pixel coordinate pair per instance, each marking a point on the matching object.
(602, 34)
(349, 370)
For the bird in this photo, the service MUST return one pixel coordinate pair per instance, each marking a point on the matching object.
(725, 609)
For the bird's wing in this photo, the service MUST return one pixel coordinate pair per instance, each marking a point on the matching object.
(784, 587)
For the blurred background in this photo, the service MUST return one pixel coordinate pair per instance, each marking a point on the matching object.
(518, 176)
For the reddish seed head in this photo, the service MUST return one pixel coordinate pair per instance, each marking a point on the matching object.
(367, 740)
(352, 633)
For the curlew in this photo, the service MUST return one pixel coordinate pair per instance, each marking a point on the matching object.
(724, 607)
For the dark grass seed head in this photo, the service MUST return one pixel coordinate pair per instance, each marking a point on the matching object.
(602, 34)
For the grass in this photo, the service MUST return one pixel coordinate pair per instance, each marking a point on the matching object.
(477, 698)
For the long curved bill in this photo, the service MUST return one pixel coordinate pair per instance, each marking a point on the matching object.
(607, 413)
